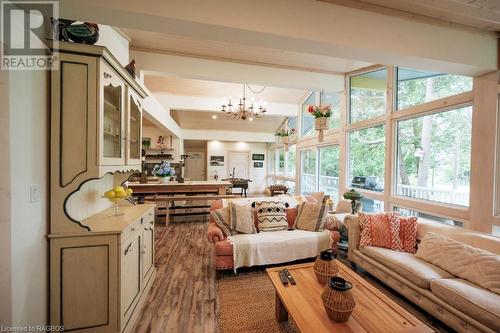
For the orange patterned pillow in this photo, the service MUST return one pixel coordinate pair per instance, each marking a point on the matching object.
(407, 232)
(380, 230)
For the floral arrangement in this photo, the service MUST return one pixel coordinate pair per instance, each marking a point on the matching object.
(163, 170)
(321, 111)
(284, 132)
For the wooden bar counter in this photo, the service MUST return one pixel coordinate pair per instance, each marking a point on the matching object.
(188, 187)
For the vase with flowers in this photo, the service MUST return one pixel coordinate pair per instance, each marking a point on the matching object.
(163, 171)
(321, 114)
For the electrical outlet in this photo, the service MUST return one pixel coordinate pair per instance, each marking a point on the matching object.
(34, 193)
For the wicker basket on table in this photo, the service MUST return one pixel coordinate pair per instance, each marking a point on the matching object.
(338, 300)
(325, 266)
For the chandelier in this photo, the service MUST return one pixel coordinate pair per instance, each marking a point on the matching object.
(241, 111)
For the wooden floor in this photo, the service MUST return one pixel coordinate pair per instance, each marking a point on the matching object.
(183, 296)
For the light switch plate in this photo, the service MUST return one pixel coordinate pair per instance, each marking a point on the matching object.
(34, 193)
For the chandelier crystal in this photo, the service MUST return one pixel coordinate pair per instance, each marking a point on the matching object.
(241, 111)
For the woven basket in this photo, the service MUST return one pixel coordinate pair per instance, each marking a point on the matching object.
(339, 305)
(325, 269)
(321, 123)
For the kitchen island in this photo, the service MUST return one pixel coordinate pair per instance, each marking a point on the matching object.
(186, 199)
(173, 188)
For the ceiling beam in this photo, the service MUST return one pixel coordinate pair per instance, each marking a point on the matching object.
(192, 134)
(161, 64)
(305, 26)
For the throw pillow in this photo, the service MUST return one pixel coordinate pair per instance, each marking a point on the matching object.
(407, 232)
(271, 215)
(291, 215)
(470, 263)
(222, 218)
(379, 230)
(310, 216)
(242, 218)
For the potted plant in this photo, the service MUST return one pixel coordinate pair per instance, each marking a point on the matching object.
(284, 135)
(163, 171)
(321, 114)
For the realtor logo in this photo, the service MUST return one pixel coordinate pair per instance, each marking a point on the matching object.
(25, 29)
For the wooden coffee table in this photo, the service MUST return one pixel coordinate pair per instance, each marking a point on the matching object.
(374, 312)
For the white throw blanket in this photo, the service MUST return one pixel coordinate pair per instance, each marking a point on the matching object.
(276, 247)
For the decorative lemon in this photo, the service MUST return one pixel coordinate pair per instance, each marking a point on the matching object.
(109, 194)
(129, 191)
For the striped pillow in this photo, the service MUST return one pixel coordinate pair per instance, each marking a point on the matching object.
(222, 218)
(271, 215)
(310, 216)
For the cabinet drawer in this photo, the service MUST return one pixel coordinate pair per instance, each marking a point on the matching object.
(130, 271)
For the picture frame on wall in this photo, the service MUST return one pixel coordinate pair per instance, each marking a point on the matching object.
(216, 160)
(258, 157)
(258, 164)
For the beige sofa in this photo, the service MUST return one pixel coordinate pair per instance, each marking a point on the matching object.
(462, 305)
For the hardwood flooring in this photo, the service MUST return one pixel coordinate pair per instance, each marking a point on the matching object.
(183, 297)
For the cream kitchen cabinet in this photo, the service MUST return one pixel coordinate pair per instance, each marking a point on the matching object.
(96, 120)
(100, 279)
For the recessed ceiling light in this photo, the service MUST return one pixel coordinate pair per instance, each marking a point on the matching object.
(214, 117)
(250, 119)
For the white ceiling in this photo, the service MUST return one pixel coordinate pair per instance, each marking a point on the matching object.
(479, 14)
(234, 52)
(202, 120)
(192, 87)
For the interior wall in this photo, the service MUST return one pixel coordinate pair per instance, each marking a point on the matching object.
(154, 132)
(29, 116)
(222, 148)
(5, 202)
(115, 42)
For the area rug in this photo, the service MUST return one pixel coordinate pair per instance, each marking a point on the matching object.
(247, 303)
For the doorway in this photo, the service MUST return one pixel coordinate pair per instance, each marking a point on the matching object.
(238, 161)
(196, 166)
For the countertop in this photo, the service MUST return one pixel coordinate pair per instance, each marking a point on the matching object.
(186, 183)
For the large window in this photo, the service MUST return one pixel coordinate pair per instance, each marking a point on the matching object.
(307, 128)
(368, 95)
(290, 162)
(433, 157)
(329, 171)
(332, 99)
(372, 205)
(427, 217)
(367, 158)
(308, 171)
(417, 87)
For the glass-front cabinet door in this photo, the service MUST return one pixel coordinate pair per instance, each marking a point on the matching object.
(112, 118)
(134, 117)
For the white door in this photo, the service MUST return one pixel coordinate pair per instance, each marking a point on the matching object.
(238, 161)
(195, 166)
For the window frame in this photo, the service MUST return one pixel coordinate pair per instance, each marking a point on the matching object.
(395, 168)
(388, 92)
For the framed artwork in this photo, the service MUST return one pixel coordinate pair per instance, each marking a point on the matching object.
(258, 157)
(216, 160)
(258, 164)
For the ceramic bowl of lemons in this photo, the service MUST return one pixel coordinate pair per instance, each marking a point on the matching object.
(115, 195)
